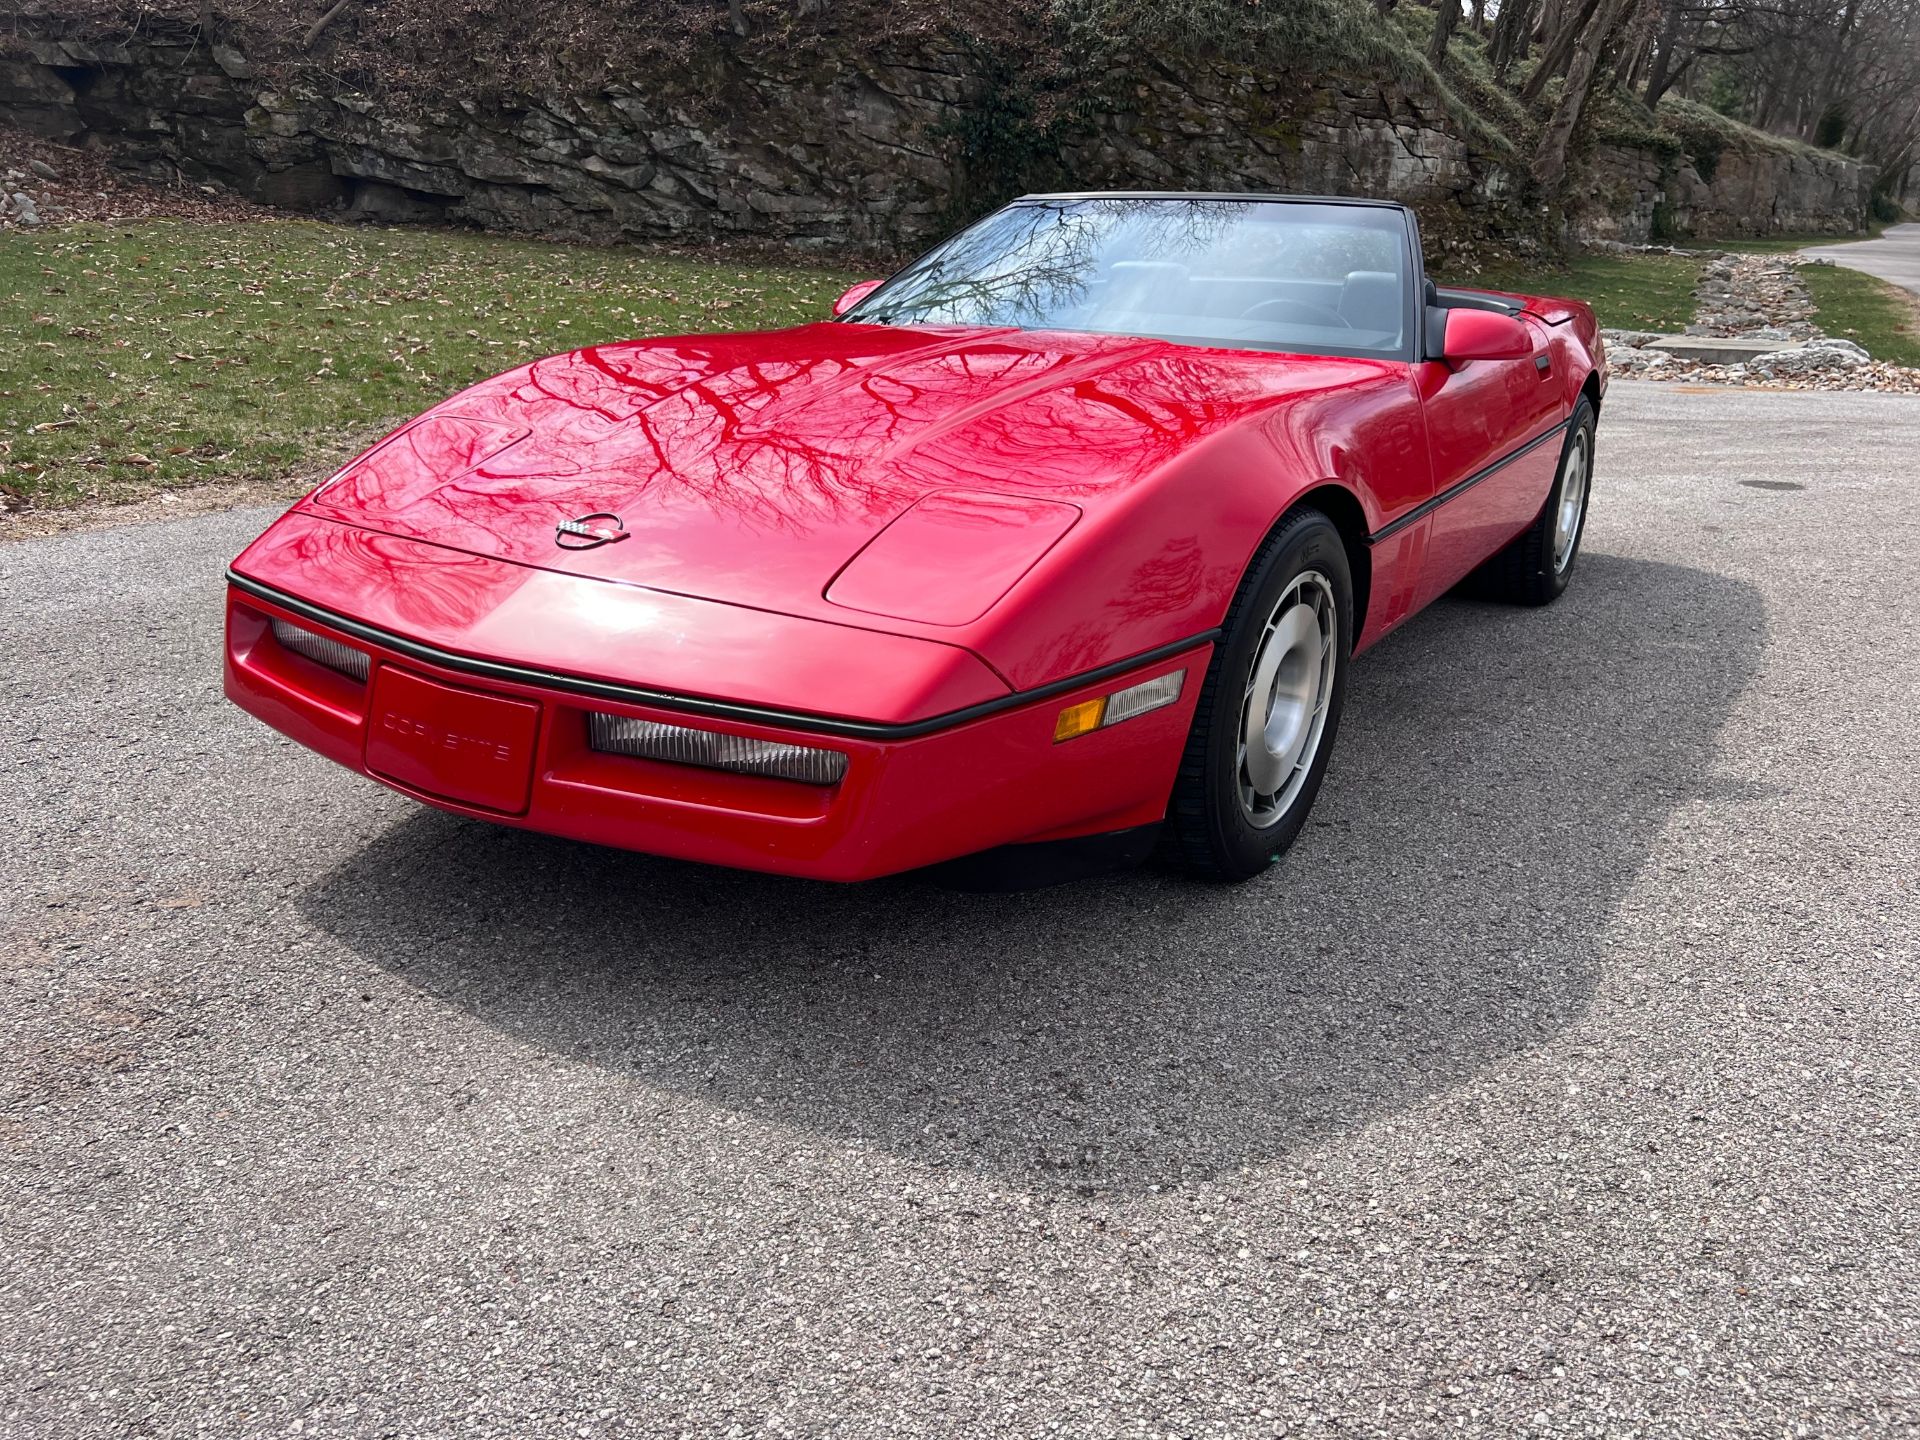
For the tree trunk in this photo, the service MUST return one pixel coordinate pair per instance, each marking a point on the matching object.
(1660, 84)
(1661, 73)
(1553, 18)
(313, 31)
(1550, 161)
(1446, 15)
(738, 16)
(1560, 51)
(1823, 99)
(1767, 111)
(1511, 27)
(1639, 41)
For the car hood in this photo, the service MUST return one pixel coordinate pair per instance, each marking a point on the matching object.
(752, 468)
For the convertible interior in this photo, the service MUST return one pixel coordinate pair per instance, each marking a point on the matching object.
(1362, 310)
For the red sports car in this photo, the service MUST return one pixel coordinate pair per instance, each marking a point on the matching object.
(1057, 545)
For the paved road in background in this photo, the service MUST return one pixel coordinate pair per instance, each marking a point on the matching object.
(1894, 256)
(1563, 1081)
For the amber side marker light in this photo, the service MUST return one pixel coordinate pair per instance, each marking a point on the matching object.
(1097, 714)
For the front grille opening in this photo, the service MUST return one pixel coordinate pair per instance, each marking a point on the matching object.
(342, 659)
(714, 750)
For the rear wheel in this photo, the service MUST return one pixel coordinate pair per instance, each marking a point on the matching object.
(1269, 708)
(1535, 568)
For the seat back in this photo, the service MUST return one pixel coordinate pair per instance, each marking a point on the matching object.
(1370, 300)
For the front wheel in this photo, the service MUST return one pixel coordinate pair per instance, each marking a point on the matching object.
(1270, 706)
(1535, 567)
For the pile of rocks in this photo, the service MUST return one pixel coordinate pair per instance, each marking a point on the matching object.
(43, 183)
(1817, 364)
(18, 206)
(1873, 375)
(1627, 353)
(1758, 296)
(1815, 357)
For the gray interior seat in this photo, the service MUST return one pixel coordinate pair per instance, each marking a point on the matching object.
(1146, 284)
(1370, 300)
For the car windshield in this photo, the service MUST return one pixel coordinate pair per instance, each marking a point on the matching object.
(1296, 276)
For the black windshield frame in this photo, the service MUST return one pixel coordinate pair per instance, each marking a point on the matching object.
(1412, 338)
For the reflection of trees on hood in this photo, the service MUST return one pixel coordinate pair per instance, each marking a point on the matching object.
(778, 443)
(431, 587)
(678, 418)
(775, 444)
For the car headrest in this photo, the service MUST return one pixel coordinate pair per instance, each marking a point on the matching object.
(1370, 300)
(1141, 281)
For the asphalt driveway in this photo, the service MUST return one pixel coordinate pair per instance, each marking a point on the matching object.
(1563, 1080)
(1893, 255)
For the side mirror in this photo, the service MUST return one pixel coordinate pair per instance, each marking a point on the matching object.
(1484, 335)
(855, 294)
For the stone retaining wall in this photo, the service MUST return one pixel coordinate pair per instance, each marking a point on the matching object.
(827, 151)
(1637, 196)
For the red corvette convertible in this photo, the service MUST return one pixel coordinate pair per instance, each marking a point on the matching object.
(1057, 545)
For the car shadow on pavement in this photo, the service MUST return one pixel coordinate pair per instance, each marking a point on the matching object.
(1501, 779)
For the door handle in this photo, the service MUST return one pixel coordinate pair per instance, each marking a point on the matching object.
(1543, 362)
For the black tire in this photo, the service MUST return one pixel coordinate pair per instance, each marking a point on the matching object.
(1210, 832)
(1525, 573)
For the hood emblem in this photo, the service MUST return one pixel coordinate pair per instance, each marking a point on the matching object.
(587, 531)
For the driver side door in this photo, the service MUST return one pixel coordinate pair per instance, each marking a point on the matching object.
(1492, 430)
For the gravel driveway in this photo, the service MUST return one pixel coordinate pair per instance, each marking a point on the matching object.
(1563, 1080)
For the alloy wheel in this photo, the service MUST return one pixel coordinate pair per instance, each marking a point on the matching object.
(1572, 511)
(1284, 710)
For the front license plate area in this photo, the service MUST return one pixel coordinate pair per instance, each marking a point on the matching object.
(450, 741)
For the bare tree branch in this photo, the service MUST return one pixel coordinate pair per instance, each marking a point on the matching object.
(313, 31)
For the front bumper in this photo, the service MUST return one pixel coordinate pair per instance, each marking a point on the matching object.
(910, 796)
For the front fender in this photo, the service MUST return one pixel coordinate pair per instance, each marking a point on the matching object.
(1161, 564)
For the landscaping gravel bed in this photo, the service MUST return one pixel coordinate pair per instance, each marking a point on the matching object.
(1759, 297)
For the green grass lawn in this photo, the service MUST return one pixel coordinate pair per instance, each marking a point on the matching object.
(1868, 311)
(162, 354)
(1627, 292)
